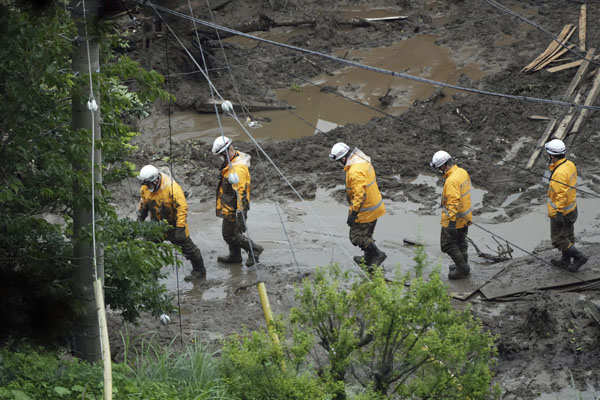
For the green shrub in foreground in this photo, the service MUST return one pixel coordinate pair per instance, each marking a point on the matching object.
(156, 374)
(254, 368)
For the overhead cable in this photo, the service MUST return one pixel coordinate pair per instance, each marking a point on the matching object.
(169, 111)
(222, 98)
(371, 68)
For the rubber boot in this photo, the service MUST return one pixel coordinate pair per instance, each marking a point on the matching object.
(462, 269)
(234, 257)
(198, 269)
(578, 259)
(256, 250)
(563, 262)
(374, 255)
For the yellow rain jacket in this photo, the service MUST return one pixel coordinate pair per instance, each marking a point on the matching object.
(456, 198)
(237, 196)
(561, 198)
(166, 203)
(361, 188)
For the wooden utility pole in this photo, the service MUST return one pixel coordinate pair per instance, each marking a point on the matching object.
(87, 333)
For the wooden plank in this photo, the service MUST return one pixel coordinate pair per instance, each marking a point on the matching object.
(386, 18)
(539, 118)
(554, 56)
(551, 48)
(580, 73)
(565, 66)
(541, 143)
(560, 50)
(582, 26)
(529, 277)
(567, 122)
(591, 98)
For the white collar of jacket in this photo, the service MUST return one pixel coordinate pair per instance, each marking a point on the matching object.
(357, 156)
(165, 181)
(241, 159)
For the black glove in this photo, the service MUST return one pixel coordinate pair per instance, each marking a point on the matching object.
(240, 219)
(352, 218)
(179, 234)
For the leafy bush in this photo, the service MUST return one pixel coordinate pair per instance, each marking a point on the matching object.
(401, 340)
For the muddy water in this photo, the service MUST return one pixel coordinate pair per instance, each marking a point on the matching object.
(418, 56)
(319, 236)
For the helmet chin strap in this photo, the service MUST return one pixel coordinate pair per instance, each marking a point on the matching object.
(155, 184)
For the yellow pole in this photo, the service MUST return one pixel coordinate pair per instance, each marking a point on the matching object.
(264, 300)
(104, 339)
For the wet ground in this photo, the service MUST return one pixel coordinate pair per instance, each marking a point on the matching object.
(548, 345)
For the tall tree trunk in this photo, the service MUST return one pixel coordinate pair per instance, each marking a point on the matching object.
(87, 333)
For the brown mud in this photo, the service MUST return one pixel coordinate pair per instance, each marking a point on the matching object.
(548, 346)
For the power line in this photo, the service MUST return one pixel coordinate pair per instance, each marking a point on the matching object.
(168, 81)
(221, 97)
(371, 68)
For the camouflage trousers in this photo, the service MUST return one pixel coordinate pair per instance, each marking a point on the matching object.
(233, 230)
(361, 234)
(562, 232)
(189, 250)
(455, 242)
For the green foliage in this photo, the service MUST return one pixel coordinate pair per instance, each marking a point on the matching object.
(255, 368)
(155, 374)
(133, 267)
(44, 173)
(399, 341)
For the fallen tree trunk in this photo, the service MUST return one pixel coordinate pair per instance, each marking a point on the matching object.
(265, 23)
(209, 106)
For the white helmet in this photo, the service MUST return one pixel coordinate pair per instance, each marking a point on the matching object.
(555, 147)
(439, 158)
(221, 144)
(148, 173)
(338, 151)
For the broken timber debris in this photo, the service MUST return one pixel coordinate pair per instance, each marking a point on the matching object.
(582, 26)
(565, 66)
(570, 120)
(591, 98)
(539, 118)
(552, 49)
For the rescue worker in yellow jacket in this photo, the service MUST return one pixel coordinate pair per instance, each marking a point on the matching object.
(456, 213)
(163, 199)
(365, 202)
(562, 206)
(233, 202)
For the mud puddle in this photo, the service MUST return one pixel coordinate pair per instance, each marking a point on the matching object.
(319, 236)
(418, 56)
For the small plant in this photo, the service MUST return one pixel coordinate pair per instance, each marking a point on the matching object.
(295, 87)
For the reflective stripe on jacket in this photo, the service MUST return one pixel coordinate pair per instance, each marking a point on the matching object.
(361, 188)
(228, 194)
(456, 197)
(166, 203)
(561, 197)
